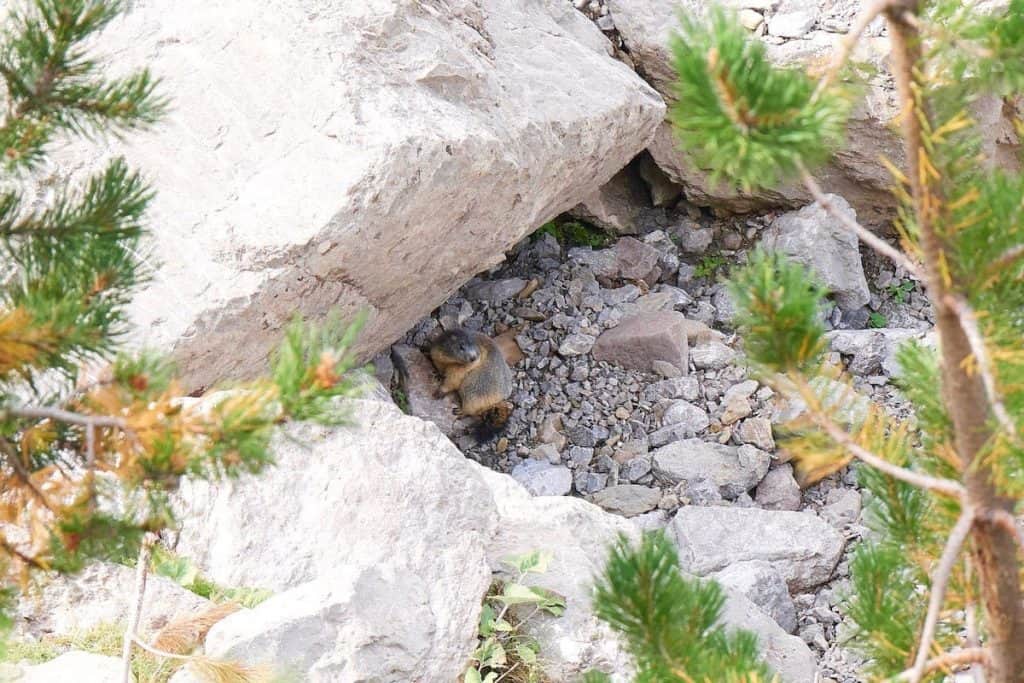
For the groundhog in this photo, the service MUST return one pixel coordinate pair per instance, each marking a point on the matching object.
(473, 365)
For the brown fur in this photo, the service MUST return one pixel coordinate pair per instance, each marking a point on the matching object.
(473, 365)
(185, 634)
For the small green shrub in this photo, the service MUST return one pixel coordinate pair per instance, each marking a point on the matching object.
(876, 320)
(900, 291)
(504, 652)
(708, 266)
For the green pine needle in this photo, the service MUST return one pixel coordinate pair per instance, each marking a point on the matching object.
(741, 117)
(670, 623)
(779, 309)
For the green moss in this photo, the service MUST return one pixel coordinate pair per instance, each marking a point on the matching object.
(575, 234)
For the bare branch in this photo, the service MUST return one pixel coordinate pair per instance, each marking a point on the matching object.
(946, 487)
(849, 41)
(863, 234)
(970, 655)
(969, 324)
(141, 570)
(940, 579)
(59, 415)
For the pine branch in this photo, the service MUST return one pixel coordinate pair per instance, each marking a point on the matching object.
(671, 624)
(1005, 261)
(940, 579)
(972, 655)
(52, 85)
(945, 487)
(60, 415)
(12, 458)
(742, 117)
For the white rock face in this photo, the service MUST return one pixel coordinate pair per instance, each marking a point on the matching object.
(103, 592)
(80, 667)
(353, 512)
(357, 154)
(381, 540)
(813, 238)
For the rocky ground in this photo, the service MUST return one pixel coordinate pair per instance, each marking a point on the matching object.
(611, 408)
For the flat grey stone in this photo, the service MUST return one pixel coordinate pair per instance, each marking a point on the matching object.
(802, 547)
(734, 470)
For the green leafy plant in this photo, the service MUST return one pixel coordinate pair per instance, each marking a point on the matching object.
(876, 320)
(708, 266)
(938, 587)
(900, 291)
(183, 571)
(504, 652)
(671, 624)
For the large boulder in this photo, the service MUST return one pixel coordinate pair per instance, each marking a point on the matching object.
(813, 238)
(381, 539)
(806, 34)
(355, 155)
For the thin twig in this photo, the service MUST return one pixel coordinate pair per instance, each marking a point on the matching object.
(59, 415)
(510, 670)
(863, 234)
(846, 45)
(159, 653)
(946, 487)
(971, 655)
(940, 580)
(969, 324)
(141, 570)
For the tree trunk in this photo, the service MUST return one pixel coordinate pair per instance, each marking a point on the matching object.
(993, 548)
